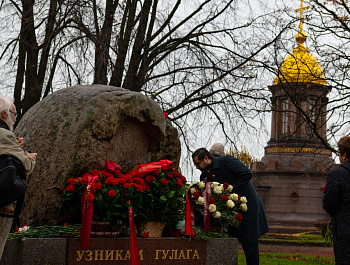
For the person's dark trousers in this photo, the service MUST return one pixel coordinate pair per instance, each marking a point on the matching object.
(252, 253)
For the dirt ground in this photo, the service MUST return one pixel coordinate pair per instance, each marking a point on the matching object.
(313, 251)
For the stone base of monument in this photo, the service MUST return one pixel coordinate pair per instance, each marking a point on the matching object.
(152, 251)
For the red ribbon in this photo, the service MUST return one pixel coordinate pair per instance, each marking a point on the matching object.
(206, 214)
(87, 208)
(143, 169)
(189, 218)
(134, 249)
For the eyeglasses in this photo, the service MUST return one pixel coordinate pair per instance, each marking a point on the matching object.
(14, 113)
(198, 163)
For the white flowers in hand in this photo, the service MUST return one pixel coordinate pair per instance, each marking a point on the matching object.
(212, 208)
(217, 215)
(233, 197)
(244, 207)
(215, 184)
(218, 189)
(200, 200)
(230, 204)
(243, 199)
(201, 185)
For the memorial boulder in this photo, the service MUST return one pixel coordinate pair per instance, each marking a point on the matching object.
(75, 130)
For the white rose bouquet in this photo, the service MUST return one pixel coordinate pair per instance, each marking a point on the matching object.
(225, 207)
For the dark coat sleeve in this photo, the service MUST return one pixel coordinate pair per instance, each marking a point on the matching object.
(331, 194)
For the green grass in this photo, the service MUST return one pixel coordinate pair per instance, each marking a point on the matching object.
(295, 239)
(287, 259)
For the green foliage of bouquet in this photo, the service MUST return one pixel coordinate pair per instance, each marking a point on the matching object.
(109, 199)
(225, 207)
(164, 198)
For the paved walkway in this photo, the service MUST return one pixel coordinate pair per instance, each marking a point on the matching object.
(313, 251)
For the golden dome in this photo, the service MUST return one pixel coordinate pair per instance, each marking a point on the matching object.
(300, 66)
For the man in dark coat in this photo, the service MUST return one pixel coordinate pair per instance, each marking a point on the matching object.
(336, 202)
(232, 171)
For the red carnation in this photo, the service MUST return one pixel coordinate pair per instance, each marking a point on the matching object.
(156, 172)
(111, 193)
(225, 185)
(239, 197)
(149, 178)
(109, 180)
(140, 188)
(70, 188)
(98, 186)
(164, 182)
(196, 195)
(83, 180)
(71, 180)
(133, 185)
(89, 197)
(86, 175)
(94, 173)
(147, 187)
(239, 217)
(164, 168)
(211, 201)
(122, 180)
(224, 198)
(169, 176)
(127, 185)
(179, 183)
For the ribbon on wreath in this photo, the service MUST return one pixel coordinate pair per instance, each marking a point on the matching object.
(87, 209)
(190, 217)
(134, 249)
(207, 195)
(144, 169)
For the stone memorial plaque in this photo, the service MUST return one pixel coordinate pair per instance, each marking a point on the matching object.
(152, 251)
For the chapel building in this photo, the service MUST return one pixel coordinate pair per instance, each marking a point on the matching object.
(294, 167)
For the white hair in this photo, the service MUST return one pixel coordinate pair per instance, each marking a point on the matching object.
(5, 104)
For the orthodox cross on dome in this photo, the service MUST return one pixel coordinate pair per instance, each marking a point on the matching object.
(301, 9)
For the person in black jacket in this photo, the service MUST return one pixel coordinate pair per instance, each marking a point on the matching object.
(336, 202)
(232, 171)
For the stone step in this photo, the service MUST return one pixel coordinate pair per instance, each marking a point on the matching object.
(287, 229)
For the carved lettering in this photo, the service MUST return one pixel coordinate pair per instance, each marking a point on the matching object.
(118, 255)
(188, 253)
(157, 251)
(80, 255)
(165, 254)
(98, 254)
(127, 256)
(109, 255)
(173, 254)
(195, 254)
(89, 255)
(182, 254)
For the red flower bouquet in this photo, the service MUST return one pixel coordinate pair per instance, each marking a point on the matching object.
(155, 190)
